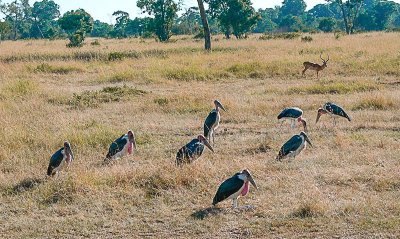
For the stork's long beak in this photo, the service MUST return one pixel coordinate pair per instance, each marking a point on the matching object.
(208, 145)
(253, 182)
(134, 142)
(221, 106)
(318, 115)
(304, 125)
(308, 141)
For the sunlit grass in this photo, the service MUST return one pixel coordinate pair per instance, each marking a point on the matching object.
(163, 92)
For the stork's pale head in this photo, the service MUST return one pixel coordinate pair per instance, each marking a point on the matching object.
(248, 177)
(131, 137)
(320, 112)
(304, 122)
(306, 137)
(218, 105)
(203, 139)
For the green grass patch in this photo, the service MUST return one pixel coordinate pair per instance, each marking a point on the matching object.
(181, 104)
(46, 68)
(251, 70)
(194, 74)
(20, 88)
(289, 35)
(107, 94)
(120, 77)
(375, 103)
(334, 88)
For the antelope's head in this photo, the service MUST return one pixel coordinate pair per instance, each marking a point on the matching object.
(323, 60)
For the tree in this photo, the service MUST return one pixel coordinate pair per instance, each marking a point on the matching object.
(350, 10)
(44, 13)
(292, 7)
(101, 29)
(17, 14)
(188, 22)
(4, 29)
(122, 21)
(291, 24)
(268, 20)
(164, 12)
(325, 10)
(206, 28)
(76, 23)
(327, 24)
(384, 13)
(234, 16)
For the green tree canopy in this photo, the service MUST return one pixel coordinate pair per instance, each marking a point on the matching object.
(76, 23)
(236, 17)
(44, 13)
(292, 7)
(327, 24)
(164, 12)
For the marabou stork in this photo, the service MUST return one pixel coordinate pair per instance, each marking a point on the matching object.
(293, 146)
(192, 150)
(234, 187)
(333, 110)
(121, 147)
(60, 159)
(212, 121)
(293, 114)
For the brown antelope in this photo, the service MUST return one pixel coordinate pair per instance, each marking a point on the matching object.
(314, 66)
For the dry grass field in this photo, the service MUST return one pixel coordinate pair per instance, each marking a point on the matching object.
(346, 186)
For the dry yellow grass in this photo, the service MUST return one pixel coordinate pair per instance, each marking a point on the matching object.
(348, 185)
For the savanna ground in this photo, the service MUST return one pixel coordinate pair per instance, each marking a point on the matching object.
(347, 185)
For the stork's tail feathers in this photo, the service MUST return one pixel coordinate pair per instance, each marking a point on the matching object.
(49, 170)
(181, 157)
(206, 131)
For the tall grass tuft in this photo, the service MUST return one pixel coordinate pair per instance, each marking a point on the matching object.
(376, 102)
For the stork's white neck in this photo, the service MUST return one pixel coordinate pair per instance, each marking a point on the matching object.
(243, 177)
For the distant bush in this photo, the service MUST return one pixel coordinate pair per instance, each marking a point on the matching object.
(95, 43)
(116, 56)
(306, 39)
(338, 34)
(46, 68)
(199, 35)
(308, 210)
(286, 35)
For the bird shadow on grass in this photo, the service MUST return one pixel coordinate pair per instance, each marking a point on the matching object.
(27, 184)
(207, 212)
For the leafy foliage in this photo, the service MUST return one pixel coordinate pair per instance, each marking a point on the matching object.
(235, 17)
(76, 23)
(164, 12)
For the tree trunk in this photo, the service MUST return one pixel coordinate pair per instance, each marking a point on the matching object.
(207, 35)
(345, 20)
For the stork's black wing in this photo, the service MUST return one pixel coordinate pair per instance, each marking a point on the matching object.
(227, 188)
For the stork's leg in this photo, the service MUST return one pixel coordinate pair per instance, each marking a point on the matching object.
(293, 124)
(234, 203)
(213, 139)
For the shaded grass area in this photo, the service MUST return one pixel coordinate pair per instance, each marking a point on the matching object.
(334, 88)
(92, 99)
(110, 56)
(47, 68)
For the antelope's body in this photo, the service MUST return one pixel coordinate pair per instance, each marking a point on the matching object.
(314, 66)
